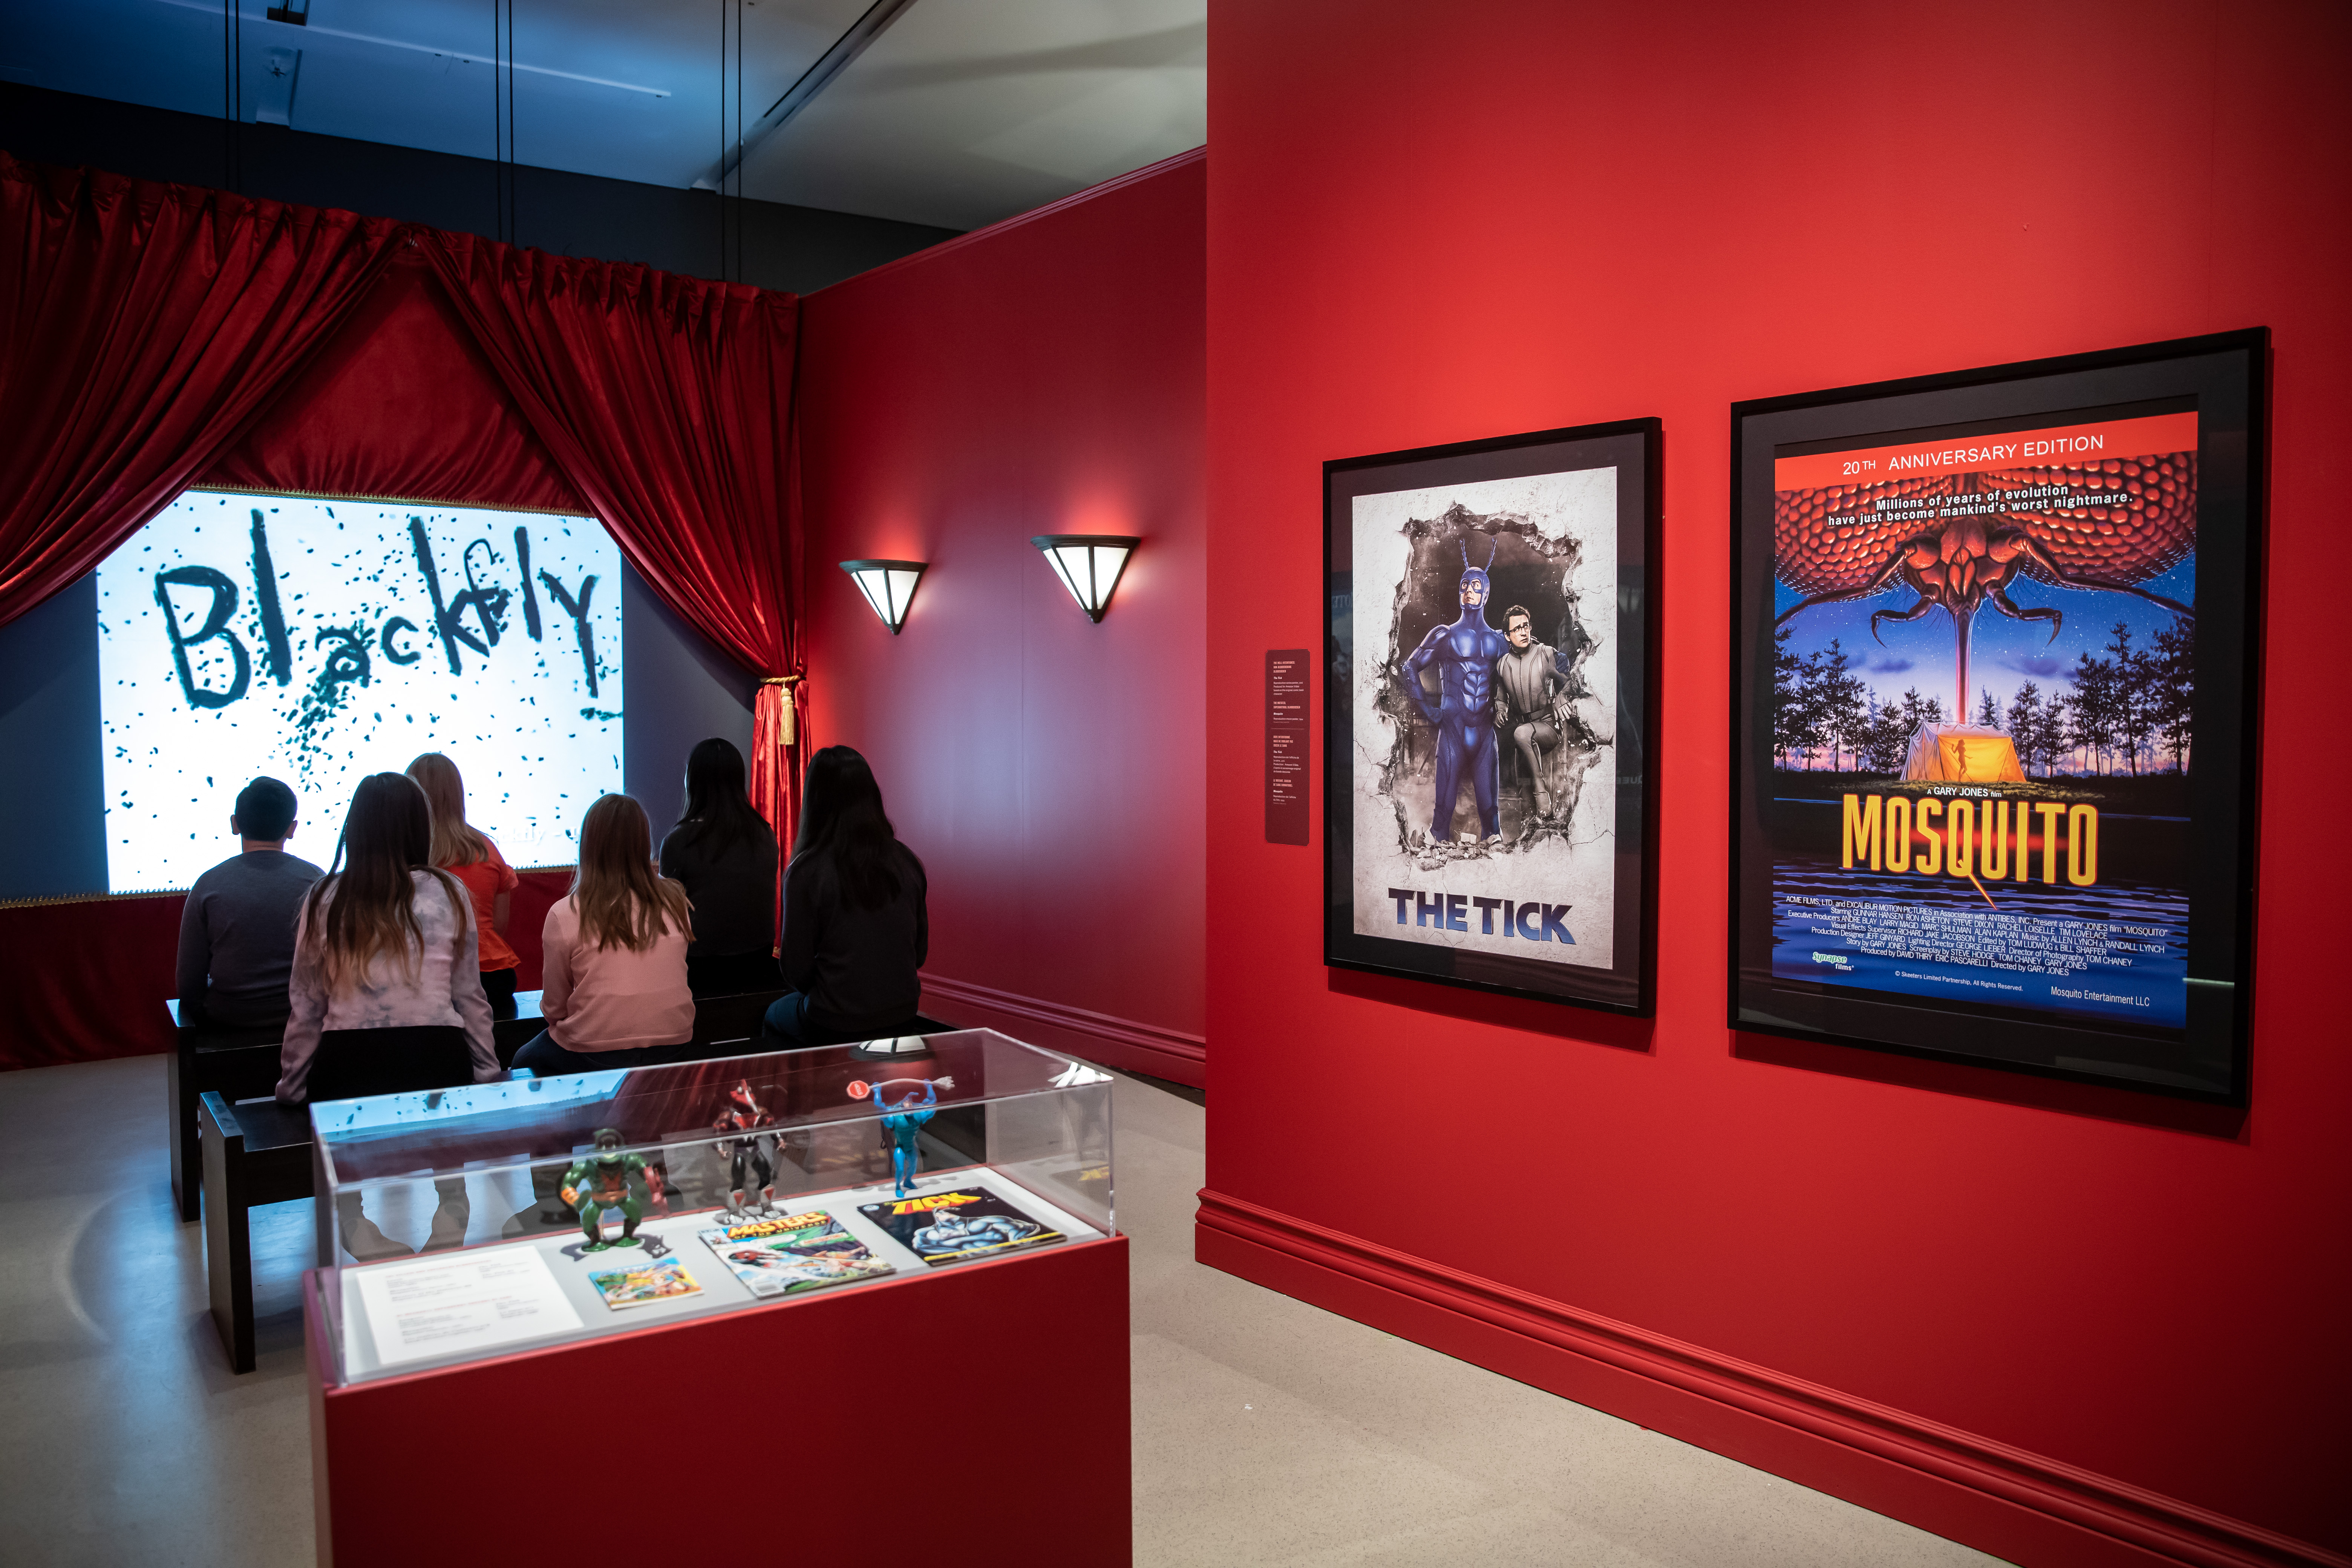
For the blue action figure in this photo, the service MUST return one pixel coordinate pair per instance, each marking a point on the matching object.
(1464, 651)
(904, 1121)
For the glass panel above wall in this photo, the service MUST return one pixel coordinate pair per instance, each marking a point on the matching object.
(612, 88)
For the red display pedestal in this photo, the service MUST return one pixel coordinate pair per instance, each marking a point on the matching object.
(978, 1414)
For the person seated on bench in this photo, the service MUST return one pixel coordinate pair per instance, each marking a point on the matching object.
(237, 929)
(387, 988)
(723, 853)
(856, 930)
(612, 955)
(387, 984)
(469, 855)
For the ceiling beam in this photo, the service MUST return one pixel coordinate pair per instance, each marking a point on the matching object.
(811, 81)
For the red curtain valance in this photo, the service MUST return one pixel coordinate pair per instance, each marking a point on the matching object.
(152, 335)
(398, 402)
(142, 327)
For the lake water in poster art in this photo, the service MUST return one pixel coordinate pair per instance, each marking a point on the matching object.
(1483, 776)
(1984, 667)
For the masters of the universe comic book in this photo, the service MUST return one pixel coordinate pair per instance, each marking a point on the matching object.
(793, 1254)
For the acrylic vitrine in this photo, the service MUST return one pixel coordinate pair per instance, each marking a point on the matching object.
(477, 1221)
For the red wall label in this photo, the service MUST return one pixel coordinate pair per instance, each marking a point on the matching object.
(1285, 745)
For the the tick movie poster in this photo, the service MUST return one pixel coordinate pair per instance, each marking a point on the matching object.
(1483, 701)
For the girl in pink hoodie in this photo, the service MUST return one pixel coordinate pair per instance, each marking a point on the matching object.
(613, 964)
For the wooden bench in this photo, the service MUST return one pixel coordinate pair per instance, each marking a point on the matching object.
(243, 1063)
(254, 1151)
(236, 1062)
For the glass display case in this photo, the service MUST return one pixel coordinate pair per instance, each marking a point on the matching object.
(504, 1217)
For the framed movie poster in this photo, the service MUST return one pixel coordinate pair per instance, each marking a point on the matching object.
(1995, 691)
(1488, 792)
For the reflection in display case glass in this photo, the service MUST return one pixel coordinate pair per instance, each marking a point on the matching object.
(507, 1216)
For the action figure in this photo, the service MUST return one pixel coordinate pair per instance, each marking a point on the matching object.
(1464, 651)
(1533, 702)
(951, 1232)
(903, 1120)
(746, 1156)
(605, 1178)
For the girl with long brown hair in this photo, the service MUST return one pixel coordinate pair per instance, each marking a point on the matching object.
(386, 993)
(614, 956)
(468, 854)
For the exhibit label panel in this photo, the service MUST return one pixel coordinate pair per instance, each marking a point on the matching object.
(1995, 692)
(1486, 786)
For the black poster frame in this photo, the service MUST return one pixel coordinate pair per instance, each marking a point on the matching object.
(1634, 448)
(2224, 378)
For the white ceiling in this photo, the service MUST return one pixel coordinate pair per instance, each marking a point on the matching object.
(970, 110)
(961, 113)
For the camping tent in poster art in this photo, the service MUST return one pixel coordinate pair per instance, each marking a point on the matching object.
(1961, 753)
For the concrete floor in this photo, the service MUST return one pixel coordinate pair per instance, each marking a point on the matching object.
(1265, 1431)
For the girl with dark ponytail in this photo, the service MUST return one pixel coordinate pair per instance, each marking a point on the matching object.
(724, 855)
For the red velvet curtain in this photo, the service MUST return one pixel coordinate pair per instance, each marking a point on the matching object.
(667, 402)
(142, 327)
(399, 404)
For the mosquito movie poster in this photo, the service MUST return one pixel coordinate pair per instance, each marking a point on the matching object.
(1995, 701)
(1486, 787)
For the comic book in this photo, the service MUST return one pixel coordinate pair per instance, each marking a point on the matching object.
(948, 1227)
(798, 1252)
(653, 1281)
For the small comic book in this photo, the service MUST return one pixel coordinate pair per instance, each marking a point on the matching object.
(948, 1227)
(653, 1281)
(797, 1252)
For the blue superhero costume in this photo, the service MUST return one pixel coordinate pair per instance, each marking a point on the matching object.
(1464, 651)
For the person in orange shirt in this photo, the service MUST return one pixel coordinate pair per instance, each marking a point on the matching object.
(470, 857)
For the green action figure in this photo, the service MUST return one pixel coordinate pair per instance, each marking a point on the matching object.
(608, 1179)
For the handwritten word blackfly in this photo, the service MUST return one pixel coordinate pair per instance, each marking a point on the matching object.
(395, 639)
(1532, 921)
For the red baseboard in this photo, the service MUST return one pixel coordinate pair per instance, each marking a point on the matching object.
(2018, 1505)
(1119, 1043)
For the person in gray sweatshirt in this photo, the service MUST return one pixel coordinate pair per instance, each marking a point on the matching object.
(236, 931)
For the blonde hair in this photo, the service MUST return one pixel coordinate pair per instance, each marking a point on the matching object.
(454, 843)
(365, 909)
(624, 901)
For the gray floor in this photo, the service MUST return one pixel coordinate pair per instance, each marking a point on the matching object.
(1265, 1431)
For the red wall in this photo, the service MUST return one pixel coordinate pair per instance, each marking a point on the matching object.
(90, 975)
(1041, 376)
(1425, 228)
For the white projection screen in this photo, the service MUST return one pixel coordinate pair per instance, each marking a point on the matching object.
(319, 641)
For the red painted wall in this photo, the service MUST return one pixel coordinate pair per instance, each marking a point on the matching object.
(1042, 376)
(67, 955)
(1427, 227)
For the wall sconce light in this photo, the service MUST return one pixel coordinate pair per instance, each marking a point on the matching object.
(1088, 565)
(888, 587)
